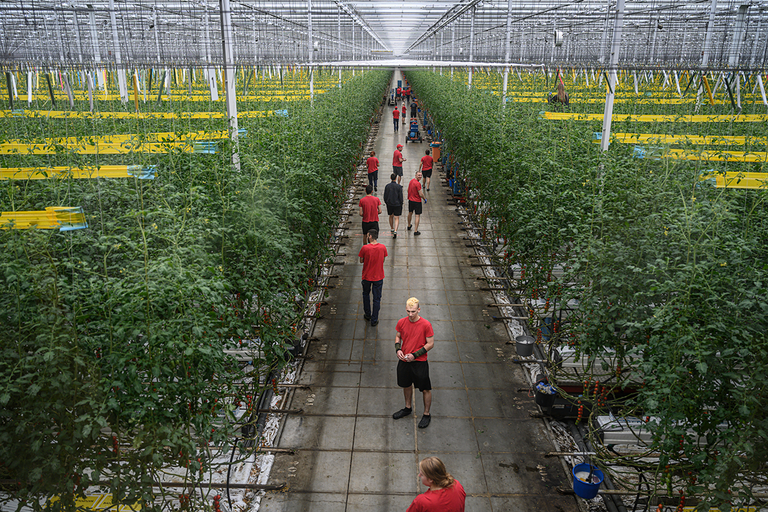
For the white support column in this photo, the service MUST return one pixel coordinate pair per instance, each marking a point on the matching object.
(471, 43)
(77, 36)
(96, 51)
(229, 79)
(613, 63)
(453, 45)
(507, 55)
(738, 36)
(121, 81)
(705, 51)
(311, 50)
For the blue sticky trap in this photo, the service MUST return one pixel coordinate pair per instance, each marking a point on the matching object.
(638, 152)
(242, 132)
(707, 177)
(143, 172)
(281, 113)
(17, 112)
(72, 226)
(207, 147)
(597, 137)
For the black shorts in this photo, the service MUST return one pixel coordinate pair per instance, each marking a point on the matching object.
(414, 206)
(415, 373)
(397, 170)
(427, 173)
(367, 226)
(395, 210)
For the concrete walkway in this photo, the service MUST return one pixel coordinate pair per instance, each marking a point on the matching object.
(351, 455)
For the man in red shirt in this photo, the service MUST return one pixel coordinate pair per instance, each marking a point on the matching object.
(403, 114)
(415, 195)
(414, 339)
(396, 118)
(373, 170)
(397, 160)
(372, 257)
(426, 169)
(370, 208)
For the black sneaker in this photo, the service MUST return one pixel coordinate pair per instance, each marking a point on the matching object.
(424, 423)
(367, 317)
(417, 233)
(402, 413)
(374, 323)
(410, 227)
(394, 234)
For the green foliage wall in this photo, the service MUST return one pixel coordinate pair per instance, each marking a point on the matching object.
(111, 337)
(670, 273)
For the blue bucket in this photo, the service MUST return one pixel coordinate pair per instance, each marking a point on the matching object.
(587, 490)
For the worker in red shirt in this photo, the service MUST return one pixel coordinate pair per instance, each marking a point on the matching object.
(399, 92)
(415, 196)
(426, 169)
(396, 118)
(372, 256)
(373, 170)
(370, 209)
(397, 160)
(403, 114)
(445, 493)
(414, 339)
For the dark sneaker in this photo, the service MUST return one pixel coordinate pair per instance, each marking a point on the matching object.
(402, 413)
(424, 423)
(367, 317)
(410, 227)
(374, 323)
(417, 233)
(394, 234)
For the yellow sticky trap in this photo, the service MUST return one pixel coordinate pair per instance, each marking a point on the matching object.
(697, 140)
(744, 118)
(63, 218)
(103, 171)
(743, 180)
(99, 502)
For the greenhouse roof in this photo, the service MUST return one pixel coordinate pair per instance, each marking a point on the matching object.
(655, 34)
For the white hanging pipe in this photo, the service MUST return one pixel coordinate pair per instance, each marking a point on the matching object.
(157, 31)
(613, 63)
(604, 43)
(94, 37)
(705, 52)
(756, 41)
(121, 82)
(453, 45)
(507, 49)
(471, 41)
(229, 79)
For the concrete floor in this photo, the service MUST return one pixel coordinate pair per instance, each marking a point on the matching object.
(351, 455)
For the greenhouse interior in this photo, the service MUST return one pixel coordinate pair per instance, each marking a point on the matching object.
(576, 318)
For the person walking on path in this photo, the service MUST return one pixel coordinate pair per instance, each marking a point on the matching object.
(397, 161)
(414, 108)
(399, 92)
(414, 339)
(373, 170)
(370, 208)
(403, 114)
(396, 118)
(445, 493)
(415, 196)
(426, 169)
(393, 198)
(372, 256)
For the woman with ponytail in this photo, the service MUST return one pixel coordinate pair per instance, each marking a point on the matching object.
(445, 493)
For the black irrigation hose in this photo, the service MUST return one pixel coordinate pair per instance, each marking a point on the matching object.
(229, 471)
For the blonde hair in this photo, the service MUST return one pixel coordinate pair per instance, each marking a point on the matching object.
(560, 92)
(413, 302)
(434, 469)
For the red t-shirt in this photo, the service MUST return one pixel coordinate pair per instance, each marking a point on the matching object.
(396, 114)
(413, 190)
(414, 335)
(373, 164)
(373, 261)
(450, 499)
(399, 90)
(370, 206)
(403, 110)
(396, 160)
(426, 162)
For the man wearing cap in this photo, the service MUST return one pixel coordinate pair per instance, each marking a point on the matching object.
(397, 162)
